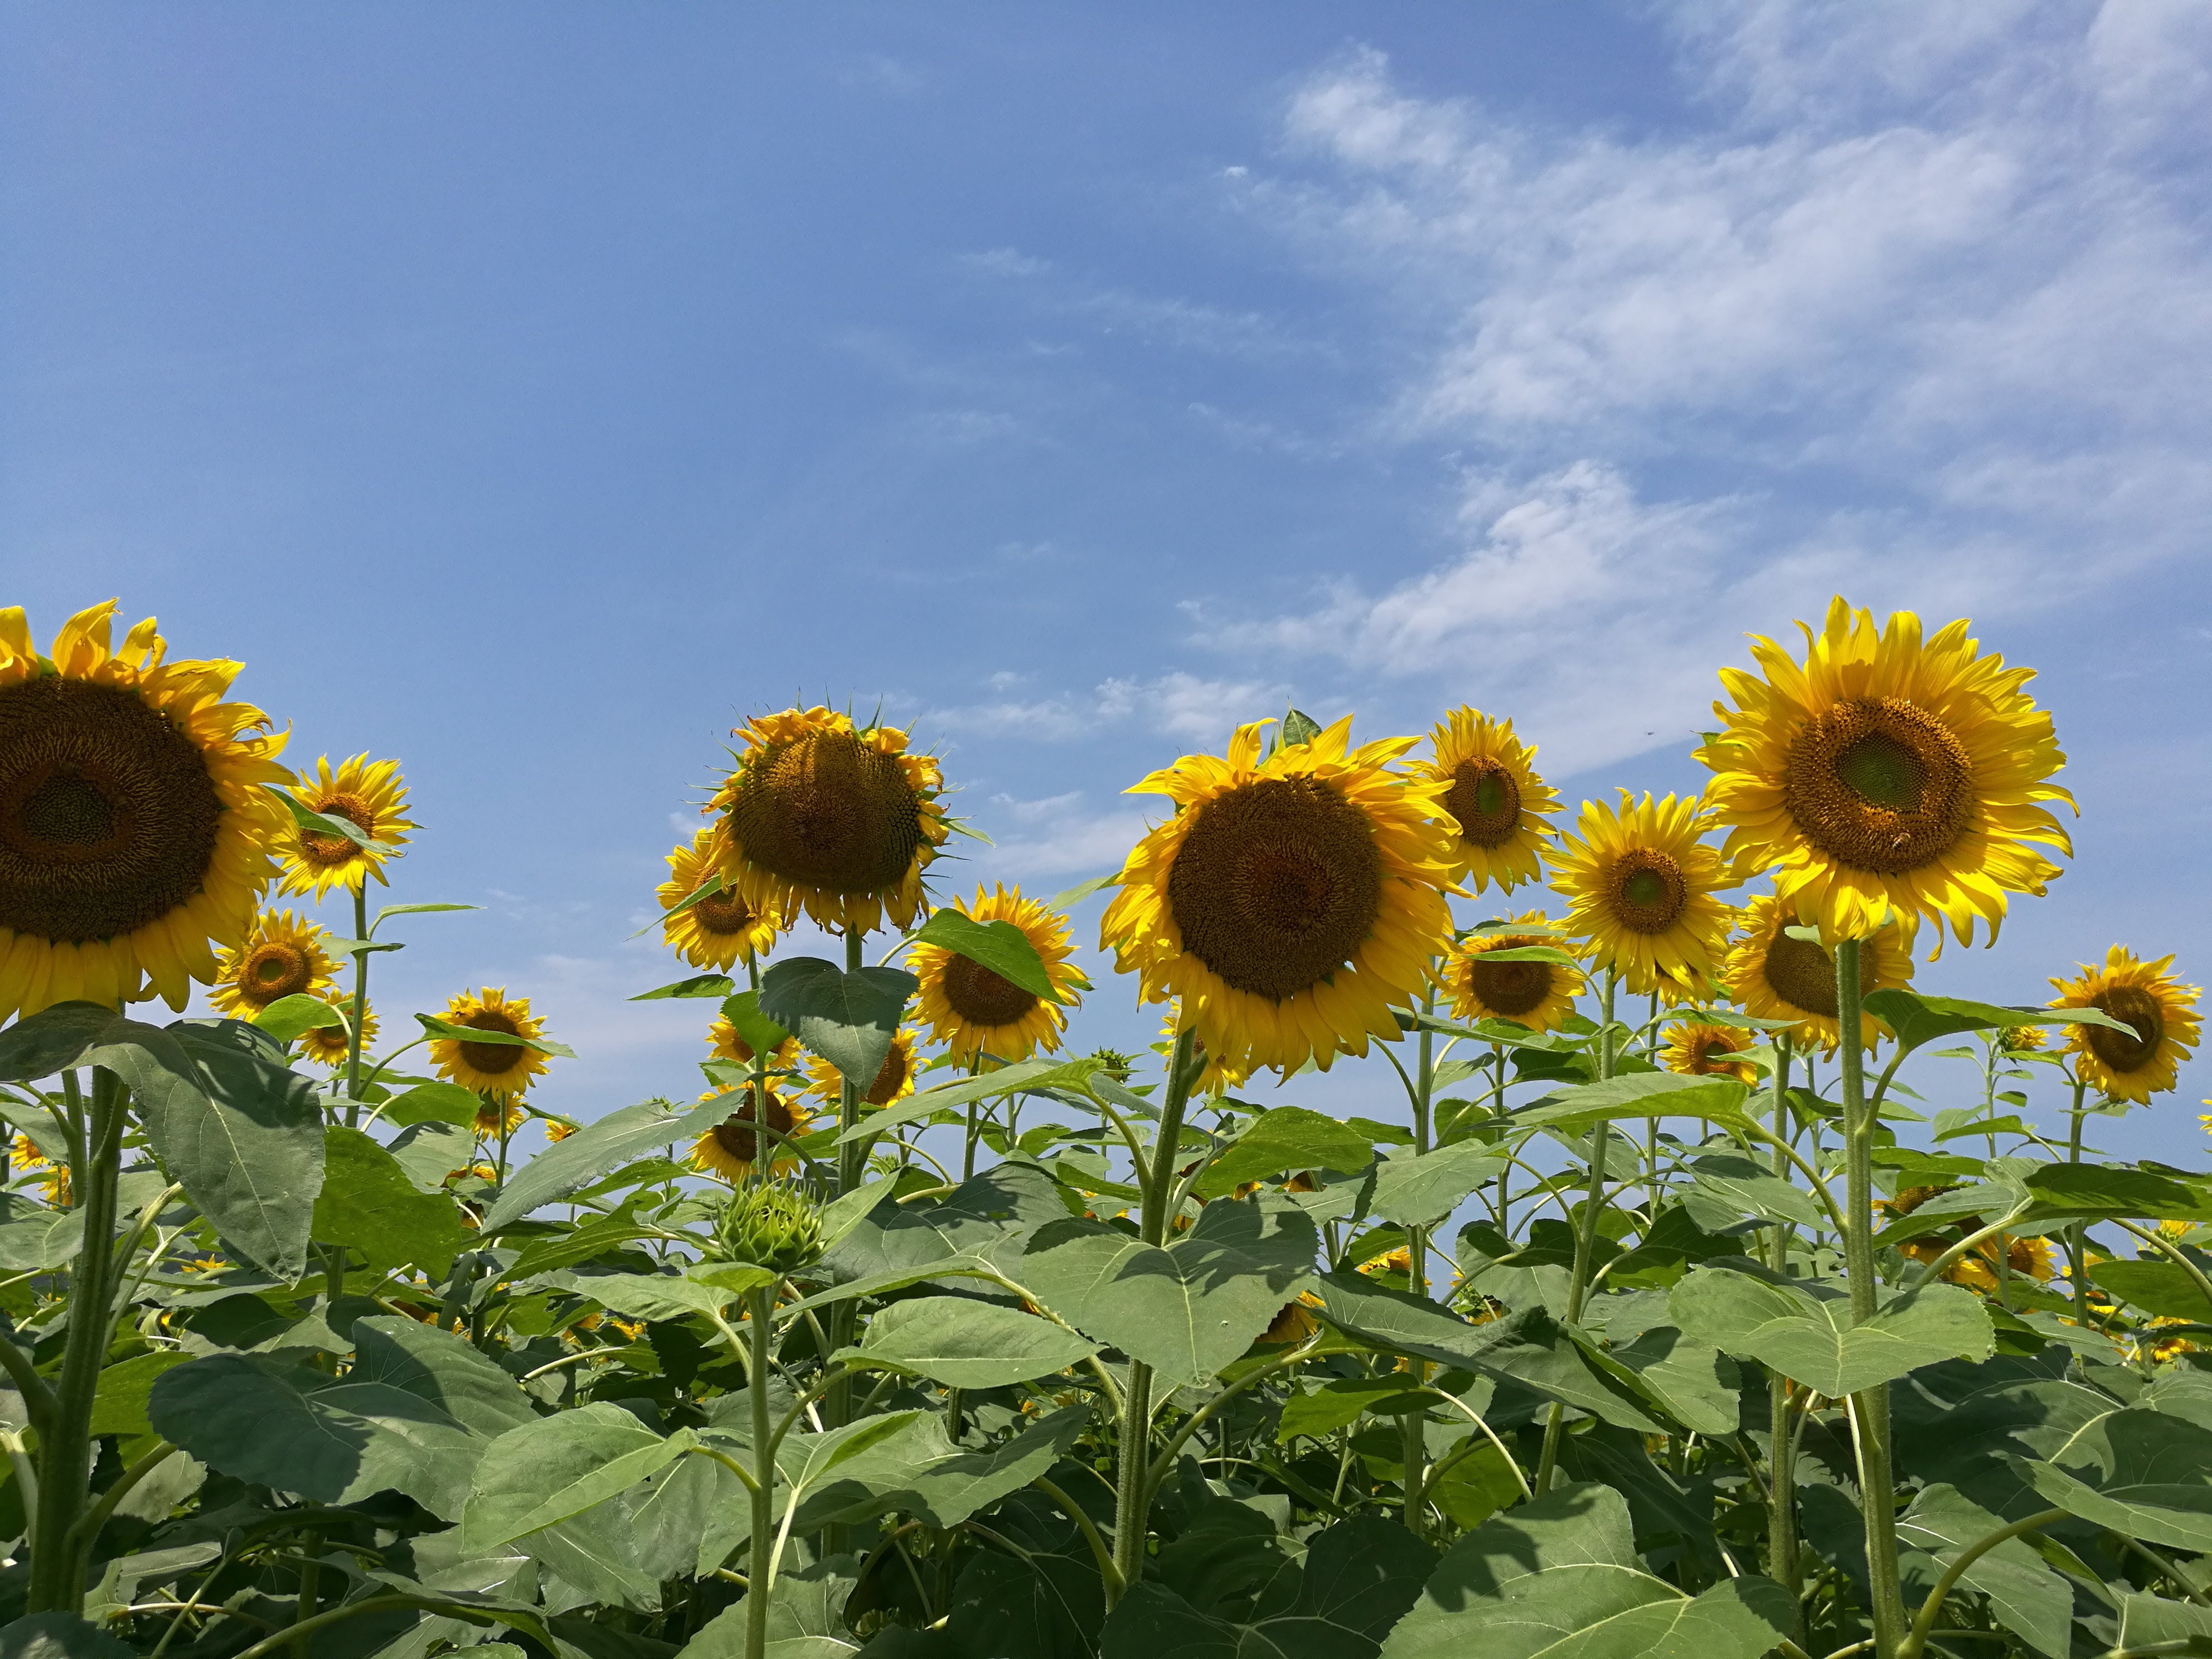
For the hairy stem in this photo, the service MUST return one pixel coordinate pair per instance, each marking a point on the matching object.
(1586, 1235)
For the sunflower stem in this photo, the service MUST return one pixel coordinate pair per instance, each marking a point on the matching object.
(1586, 1235)
(360, 1004)
(1782, 1562)
(1413, 1442)
(837, 1404)
(2077, 1235)
(760, 1309)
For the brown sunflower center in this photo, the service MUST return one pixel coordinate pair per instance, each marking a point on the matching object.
(2121, 1050)
(1710, 1054)
(326, 850)
(107, 814)
(1647, 890)
(1276, 886)
(1511, 988)
(1486, 801)
(829, 811)
(492, 1059)
(983, 998)
(1878, 784)
(736, 1135)
(890, 1076)
(724, 913)
(1801, 973)
(274, 969)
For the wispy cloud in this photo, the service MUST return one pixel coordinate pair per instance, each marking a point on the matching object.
(1178, 704)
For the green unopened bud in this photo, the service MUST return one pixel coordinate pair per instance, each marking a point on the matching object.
(1115, 1064)
(775, 1226)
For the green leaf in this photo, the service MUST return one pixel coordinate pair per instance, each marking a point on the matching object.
(997, 946)
(1324, 1410)
(1416, 1191)
(1083, 889)
(2144, 1474)
(377, 921)
(442, 1370)
(552, 1467)
(447, 1031)
(1550, 953)
(287, 1016)
(320, 823)
(1917, 1020)
(2156, 1287)
(1640, 1094)
(368, 1204)
(59, 1636)
(54, 1039)
(850, 1019)
(1023, 1076)
(1287, 1138)
(567, 1165)
(1700, 1386)
(2028, 1598)
(761, 1034)
(2150, 1621)
(1804, 1328)
(566, 1249)
(966, 1344)
(1732, 1187)
(433, 1103)
(1561, 1575)
(673, 1296)
(805, 1617)
(1299, 727)
(119, 1406)
(2098, 1189)
(917, 1471)
(699, 895)
(41, 1240)
(699, 985)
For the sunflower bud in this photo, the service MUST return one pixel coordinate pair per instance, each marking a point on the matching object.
(1114, 1064)
(777, 1227)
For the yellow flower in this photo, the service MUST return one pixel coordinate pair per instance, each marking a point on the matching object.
(58, 1188)
(893, 1077)
(721, 930)
(370, 797)
(1293, 1322)
(1536, 994)
(282, 956)
(837, 820)
(1495, 806)
(973, 1011)
(2022, 1039)
(1641, 887)
(499, 1117)
(1213, 1077)
(1887, 776)
(1291, 902)
(490, 1068)
(1771, 975)
(722, 1038)
(2160, 1008)
(730, 1148)
(26, 1154)
(559, 1128)
(136, 835)
(1400, 1261)
(205, 1264)
(326, 1044)
(1693, 1049)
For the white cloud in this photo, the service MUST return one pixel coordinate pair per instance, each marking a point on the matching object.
(1058, 837)
(1178, 704)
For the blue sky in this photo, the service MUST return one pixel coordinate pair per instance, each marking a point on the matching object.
(532, 391)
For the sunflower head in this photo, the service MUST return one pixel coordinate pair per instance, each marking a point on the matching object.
(1886, 775)
(326, 1044)
(1536, 994)
(722, 929)
(1644, 890)
(498, 1117)
(2138, 1064)
(1291, 902)
(366, 795)
(1494, 806)
(24, 1153)
(1697, 1049)
(136, 832)
(501, 1070)
(821, 815)
(773, 1227)
(722, 1038)
(893, 1077)
(1773, 976)
(282, 956)
(732, 1147)
(978, 1015)
(2023, 1039)
(559, 1128)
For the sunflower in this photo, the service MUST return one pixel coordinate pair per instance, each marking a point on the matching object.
(1694, 1048)
(730, 1148)
(2156, 1350)
(1494, 804)
(57, 1190)
(1293, 1322)
(975, 1013)
(893, 1077)
(499, 1117)
(2025, 1258)
(2121, 1064)
(282, 956)
(559, 1128)
(500, 1069)
(371, 798)
(1536, 994)
(1771, 975)
(1641, 887)
(721, 929)
(1291, 902)
(136, 835)
(326, 1044)
(1886, 775)
(722, 1038)
(839, 820)
(2023, 1039)
(24, 1153)
(1215, 1077)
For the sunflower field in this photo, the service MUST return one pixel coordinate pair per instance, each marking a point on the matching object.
(1666, 1317)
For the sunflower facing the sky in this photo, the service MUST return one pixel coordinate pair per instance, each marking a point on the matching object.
(732, 1146)
(1771, 976)
(722, 1038)
(721, 930)
(1644, 890)
(838, 820)
(501, 1069)
(1536, 994)
(137, 835)
(326, 1044)
(2161, 1009)
(1291, 902)
(1886, 775)
(282, 956)
(1494, 804)
(1697, 1049)
(894, 1078)
(367, 795)
(975, 1012)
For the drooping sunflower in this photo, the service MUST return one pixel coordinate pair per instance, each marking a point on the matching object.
(721, 929)
(1536, 994)
(893, 1077)
(1494, 804)
(499, 1117)
(1644, 890)
(1886, 775)
(326, 1044)
(1214, 1076)
(366, 795)
(136, 833)
(500, 1069)
(975, 1012)
(836, 819)
(1697, 1049)
(2160, 1008)
(1771, 975)
(1291, 902)
(722, 1038)
(282, 956)
(730, 1147)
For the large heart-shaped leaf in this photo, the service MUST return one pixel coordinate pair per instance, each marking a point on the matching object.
(2146, 1473)
(1286, 1139)
(850, 1019)
(552, 1467)
(997, 946)
(2028, 1597)
(368, 1204)
(1417, 1191)
(1804, 1329)
(567, 1165)
(966, 1344)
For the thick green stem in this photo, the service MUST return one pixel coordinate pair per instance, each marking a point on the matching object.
(2077, 1235)
(760, 1309)
(360, 1004)
(1782, 1563)
(851, 1166)
(1585, 1236)
(1413, 1441)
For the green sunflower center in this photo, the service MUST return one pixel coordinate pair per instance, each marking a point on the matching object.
(981, 997)
(829, 811)
(1511, 988)
(1648, 891)
(1878, 784)
(1801, 973)
(492, 1059)
(1484, 801)
(2121, 1050)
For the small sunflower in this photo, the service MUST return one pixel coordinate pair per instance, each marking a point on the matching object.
(1536, 994)
(1494, 805)
(2158, 1350)
(282, 956)
(821, 815)
(24, 1154)
(326, 1044)
(722, 1038)
(730, 1147)
(1291, 902)
(1771, 975)
(559, 1128)
(2161, 1009)
(1696, 1049)
(975, 1013)
(57, 1190)
(893, 1077)
(721, 930)
(136, 833)
(2023, 1039)
(1888, 776)
(367, 795)
(498, 1117)
(501, 1069)
(1642, 887)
